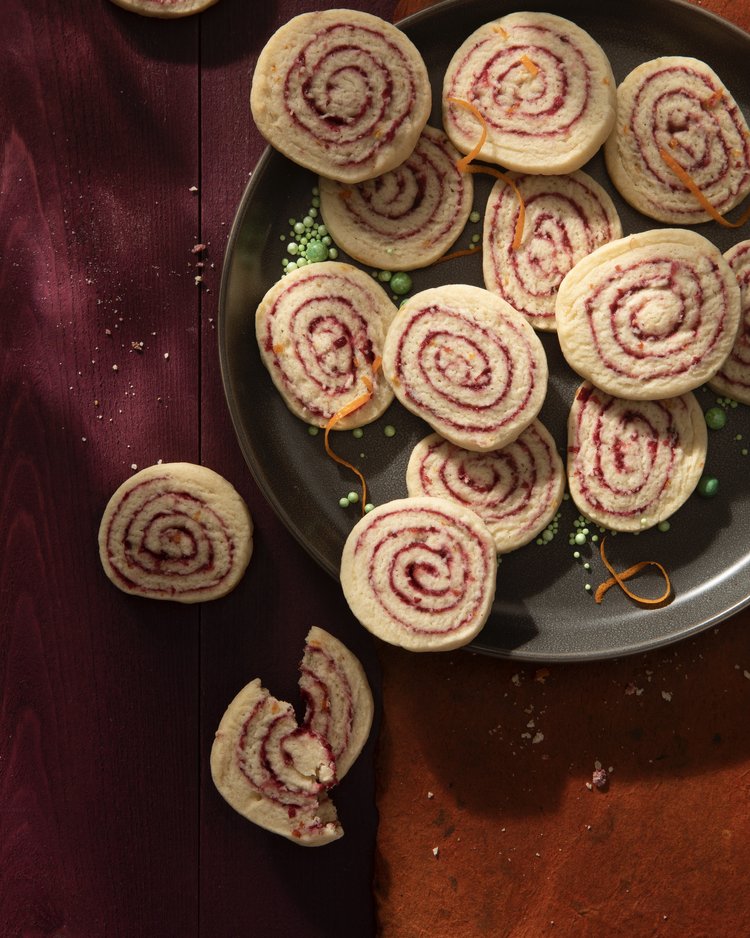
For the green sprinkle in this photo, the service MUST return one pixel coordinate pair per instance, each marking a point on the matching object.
(332, 254)
(400, 283)
(344, 502)
(313, 431)
(292, 248)
(389, 430)
(352, 498)
(291, 266)
(368, 507)
(715, 418)
(576, 555)
(315, 201)
(743, 452)
(316, 251)
(307, 221)
(358, 433)
(587, 587)
(708, 486)
(475, 216)
(475, 238)
(663, 526)
(547, 535)
(587, 566)
(384, 276)
(580, 538)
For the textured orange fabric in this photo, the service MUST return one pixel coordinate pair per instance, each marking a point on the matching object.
(490, 820)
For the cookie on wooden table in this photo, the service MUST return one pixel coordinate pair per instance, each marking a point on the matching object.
(341, 92)
(276, 772)
(176, 531)
(544, 89)
(632, 464)
(649, 316)
(420, 573)
(676, 110)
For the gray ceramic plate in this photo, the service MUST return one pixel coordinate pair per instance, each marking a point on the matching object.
(542, 611)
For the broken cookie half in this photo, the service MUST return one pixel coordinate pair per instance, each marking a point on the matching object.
(276, 772)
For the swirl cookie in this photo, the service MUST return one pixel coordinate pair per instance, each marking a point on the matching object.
(176, 531)
(566, 218)
(631, 464)
(649, 316)
(465, 361)
(515, 490)
(677, 109)
(544, 88)
(342, 93)
(320, 331)
(733, 378)
(406, 218)
(277, 773)
(420, 573)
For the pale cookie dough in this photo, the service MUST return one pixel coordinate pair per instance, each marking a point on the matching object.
(544, 88)
(320, 332)
(468, 363)
(566, 218)
(515, 490)
(176, 531)
(649, 316)
(632, 464)
(677, 108)
(277, 773)
(733, 378)
(341, 92)
(407, 218)
(420, 573)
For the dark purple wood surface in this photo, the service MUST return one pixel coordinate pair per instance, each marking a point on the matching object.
(109, 822)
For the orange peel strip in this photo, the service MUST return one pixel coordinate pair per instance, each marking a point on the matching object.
(531, 67)
(344, 411)
(687, 180)
(464, 252)
(462, 164)
(620, 578)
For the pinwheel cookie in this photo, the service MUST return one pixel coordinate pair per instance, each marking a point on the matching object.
(277, 773)
(515, 490)
(649, 316)
(406, 218)
(566, 218)
(733, 378)
(176, 531)
(320, 332)
(420, 573)
(676, 123)
(341, 92)
(631, 464)
(468, 363)
(543, 87)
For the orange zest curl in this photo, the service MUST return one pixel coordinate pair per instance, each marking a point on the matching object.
(531, 67)
(687, 180)
(619, 578)
(464, 252)
(344, 411)
(463, 166)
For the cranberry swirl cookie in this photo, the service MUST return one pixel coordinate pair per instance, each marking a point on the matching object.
(544, 88)
(733, 378)
(407, 218)
(515, 490)
(277, 773)
(677, 108)
(341, 92)
(566, 218)
(320, 331)
(631, 464)
(469, 364)
(420, 573)
(176, 531)
(649, 316)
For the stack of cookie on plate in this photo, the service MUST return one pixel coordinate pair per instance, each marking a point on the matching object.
(642, 319)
